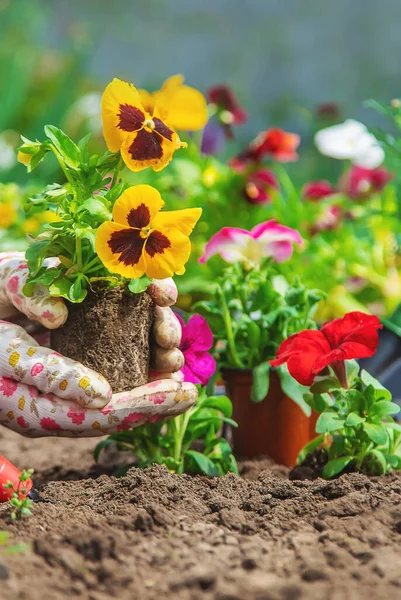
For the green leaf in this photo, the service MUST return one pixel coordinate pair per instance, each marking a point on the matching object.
(376, 432)
(335, 466)
(357, 401)
(369, 380)
(35, 254)
(68, 150)
(137, 286)
(60, 288)
(329, 421)
(325, 385)
(204, 463)
(220, 403)
(383, 409)
(96, 208)
(293, 389)
(100, 446)
(353, 420)
(381, 460)
(253, 335)
(260, 385)
(78, 290)
(309, 448)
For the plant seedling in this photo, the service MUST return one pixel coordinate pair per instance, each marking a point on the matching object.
(20, 504)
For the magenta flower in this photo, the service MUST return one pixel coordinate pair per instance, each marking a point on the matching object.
(317, 190)
(269, 239)
(360, 183)
(196, 340)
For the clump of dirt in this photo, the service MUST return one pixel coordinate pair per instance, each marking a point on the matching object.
(109, 332)
(153, 534)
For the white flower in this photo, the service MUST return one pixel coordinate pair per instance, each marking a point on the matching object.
(350, 140)
(7, 155)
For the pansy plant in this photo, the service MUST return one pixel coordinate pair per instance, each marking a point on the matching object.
(104, 231)
(254, 308)
(355, 426)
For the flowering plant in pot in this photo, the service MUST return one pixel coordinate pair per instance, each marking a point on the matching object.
(355, 428)
(108, 241)
(253, 309)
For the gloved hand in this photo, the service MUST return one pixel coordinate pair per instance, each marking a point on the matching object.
(44, 393)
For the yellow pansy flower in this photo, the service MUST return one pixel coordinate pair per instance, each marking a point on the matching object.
(186, 107)
(8, 215)
(141, 240)
(31, 225)
(24, 158)
(143, 138)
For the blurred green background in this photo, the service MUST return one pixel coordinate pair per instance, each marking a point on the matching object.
(281, 58)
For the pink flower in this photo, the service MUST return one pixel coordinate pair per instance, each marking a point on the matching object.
(8, 386)
(50, 424)
(196, 340)
(130, 420)
(362, 183)
(12, 285)
(317, 190)
(264, 240)
(260, 185)
(36, 369)
(77, 415)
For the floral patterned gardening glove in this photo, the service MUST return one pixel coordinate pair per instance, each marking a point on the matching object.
(44, 393)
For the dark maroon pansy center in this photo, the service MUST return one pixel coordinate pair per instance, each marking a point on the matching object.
(131, 118)
(129, 243)
(148, 142)
(139, 217)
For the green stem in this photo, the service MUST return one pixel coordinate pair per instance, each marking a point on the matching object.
(62, 165)
(229, 329)
(78, 250)
(116, 173)
(181, 424)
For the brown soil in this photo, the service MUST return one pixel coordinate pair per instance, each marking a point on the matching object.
(154, 535)
(109, 332)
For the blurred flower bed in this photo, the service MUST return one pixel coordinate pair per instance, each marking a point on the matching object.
(340, 193)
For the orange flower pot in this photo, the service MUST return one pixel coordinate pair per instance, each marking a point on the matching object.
(275, 427)
(8, 472)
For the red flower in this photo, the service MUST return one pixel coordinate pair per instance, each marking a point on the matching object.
(307, 353)
(275, 143)
(317, 190)
(260, 186)
(362, 183)
(229, 109)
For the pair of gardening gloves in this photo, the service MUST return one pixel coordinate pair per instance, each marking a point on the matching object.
(44, 393)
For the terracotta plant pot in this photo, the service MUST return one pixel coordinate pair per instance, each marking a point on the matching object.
(275, 427)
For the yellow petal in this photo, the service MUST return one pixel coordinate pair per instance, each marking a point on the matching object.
(187, 107)
(171, 260)
(23, 158)
(118, 93)
(184, 220)
(134, 197)
(112, 260)
(147, 100)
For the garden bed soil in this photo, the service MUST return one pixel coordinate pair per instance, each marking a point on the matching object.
(154, 535)
(109, 332)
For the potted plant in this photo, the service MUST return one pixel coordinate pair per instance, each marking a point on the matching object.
(356, 429)
(253, 310)
(107, 240)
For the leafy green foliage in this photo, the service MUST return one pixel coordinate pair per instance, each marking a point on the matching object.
(80, 205)
(356, 426)
(189, 443)
(251, 313)
(20, 507)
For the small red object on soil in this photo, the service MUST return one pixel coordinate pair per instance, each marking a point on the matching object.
(8, 472)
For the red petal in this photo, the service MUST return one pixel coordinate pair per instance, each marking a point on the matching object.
(356, 327)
